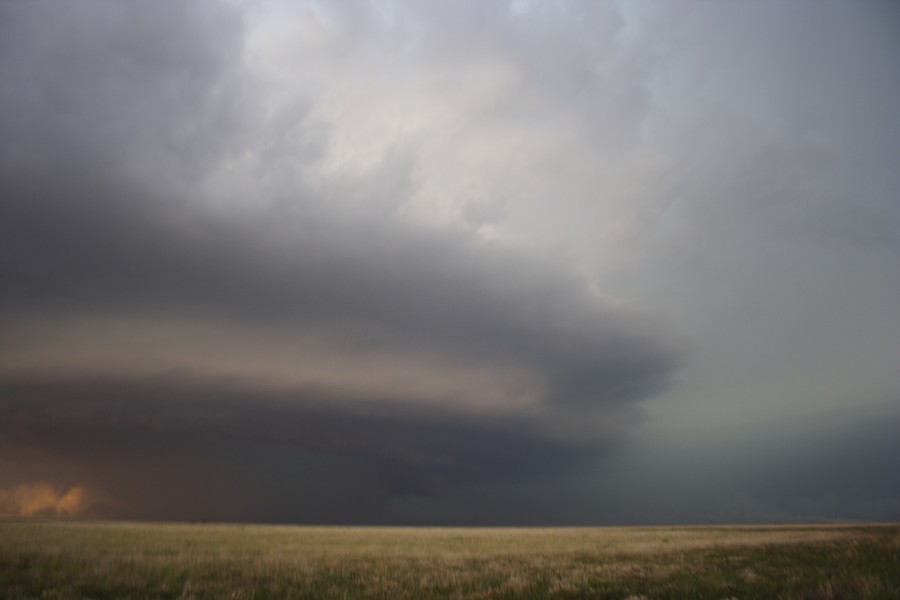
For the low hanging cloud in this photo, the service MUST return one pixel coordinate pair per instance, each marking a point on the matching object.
(187, 262)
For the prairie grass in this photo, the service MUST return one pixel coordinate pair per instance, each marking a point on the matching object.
(65, 559)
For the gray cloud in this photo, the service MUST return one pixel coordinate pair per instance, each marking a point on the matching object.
(834, 466)
(436, 254)
(144, 311)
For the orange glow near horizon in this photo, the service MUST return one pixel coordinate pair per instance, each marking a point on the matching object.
(42, 499)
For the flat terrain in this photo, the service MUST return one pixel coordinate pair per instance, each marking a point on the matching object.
(60, 559)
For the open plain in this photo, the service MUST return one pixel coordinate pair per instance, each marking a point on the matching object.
(71, 559)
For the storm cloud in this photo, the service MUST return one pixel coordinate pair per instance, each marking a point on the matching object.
(133, 301)
(392, 262)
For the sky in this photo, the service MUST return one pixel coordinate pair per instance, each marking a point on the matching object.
(450, 263)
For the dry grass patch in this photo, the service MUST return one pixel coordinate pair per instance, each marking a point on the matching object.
(76, 560)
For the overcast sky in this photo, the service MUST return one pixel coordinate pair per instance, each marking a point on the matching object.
(526, 262)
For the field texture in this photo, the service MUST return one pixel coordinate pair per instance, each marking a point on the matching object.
(127, 560)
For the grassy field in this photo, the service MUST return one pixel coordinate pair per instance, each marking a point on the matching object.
(59, 559)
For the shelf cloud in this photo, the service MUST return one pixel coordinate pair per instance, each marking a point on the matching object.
(289, 255)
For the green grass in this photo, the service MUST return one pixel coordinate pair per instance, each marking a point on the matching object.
(60, 559)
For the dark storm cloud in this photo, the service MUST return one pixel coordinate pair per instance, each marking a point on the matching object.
(140, 440)
(286, 255)
(116, 120)
(81, 234)
(102, 251)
